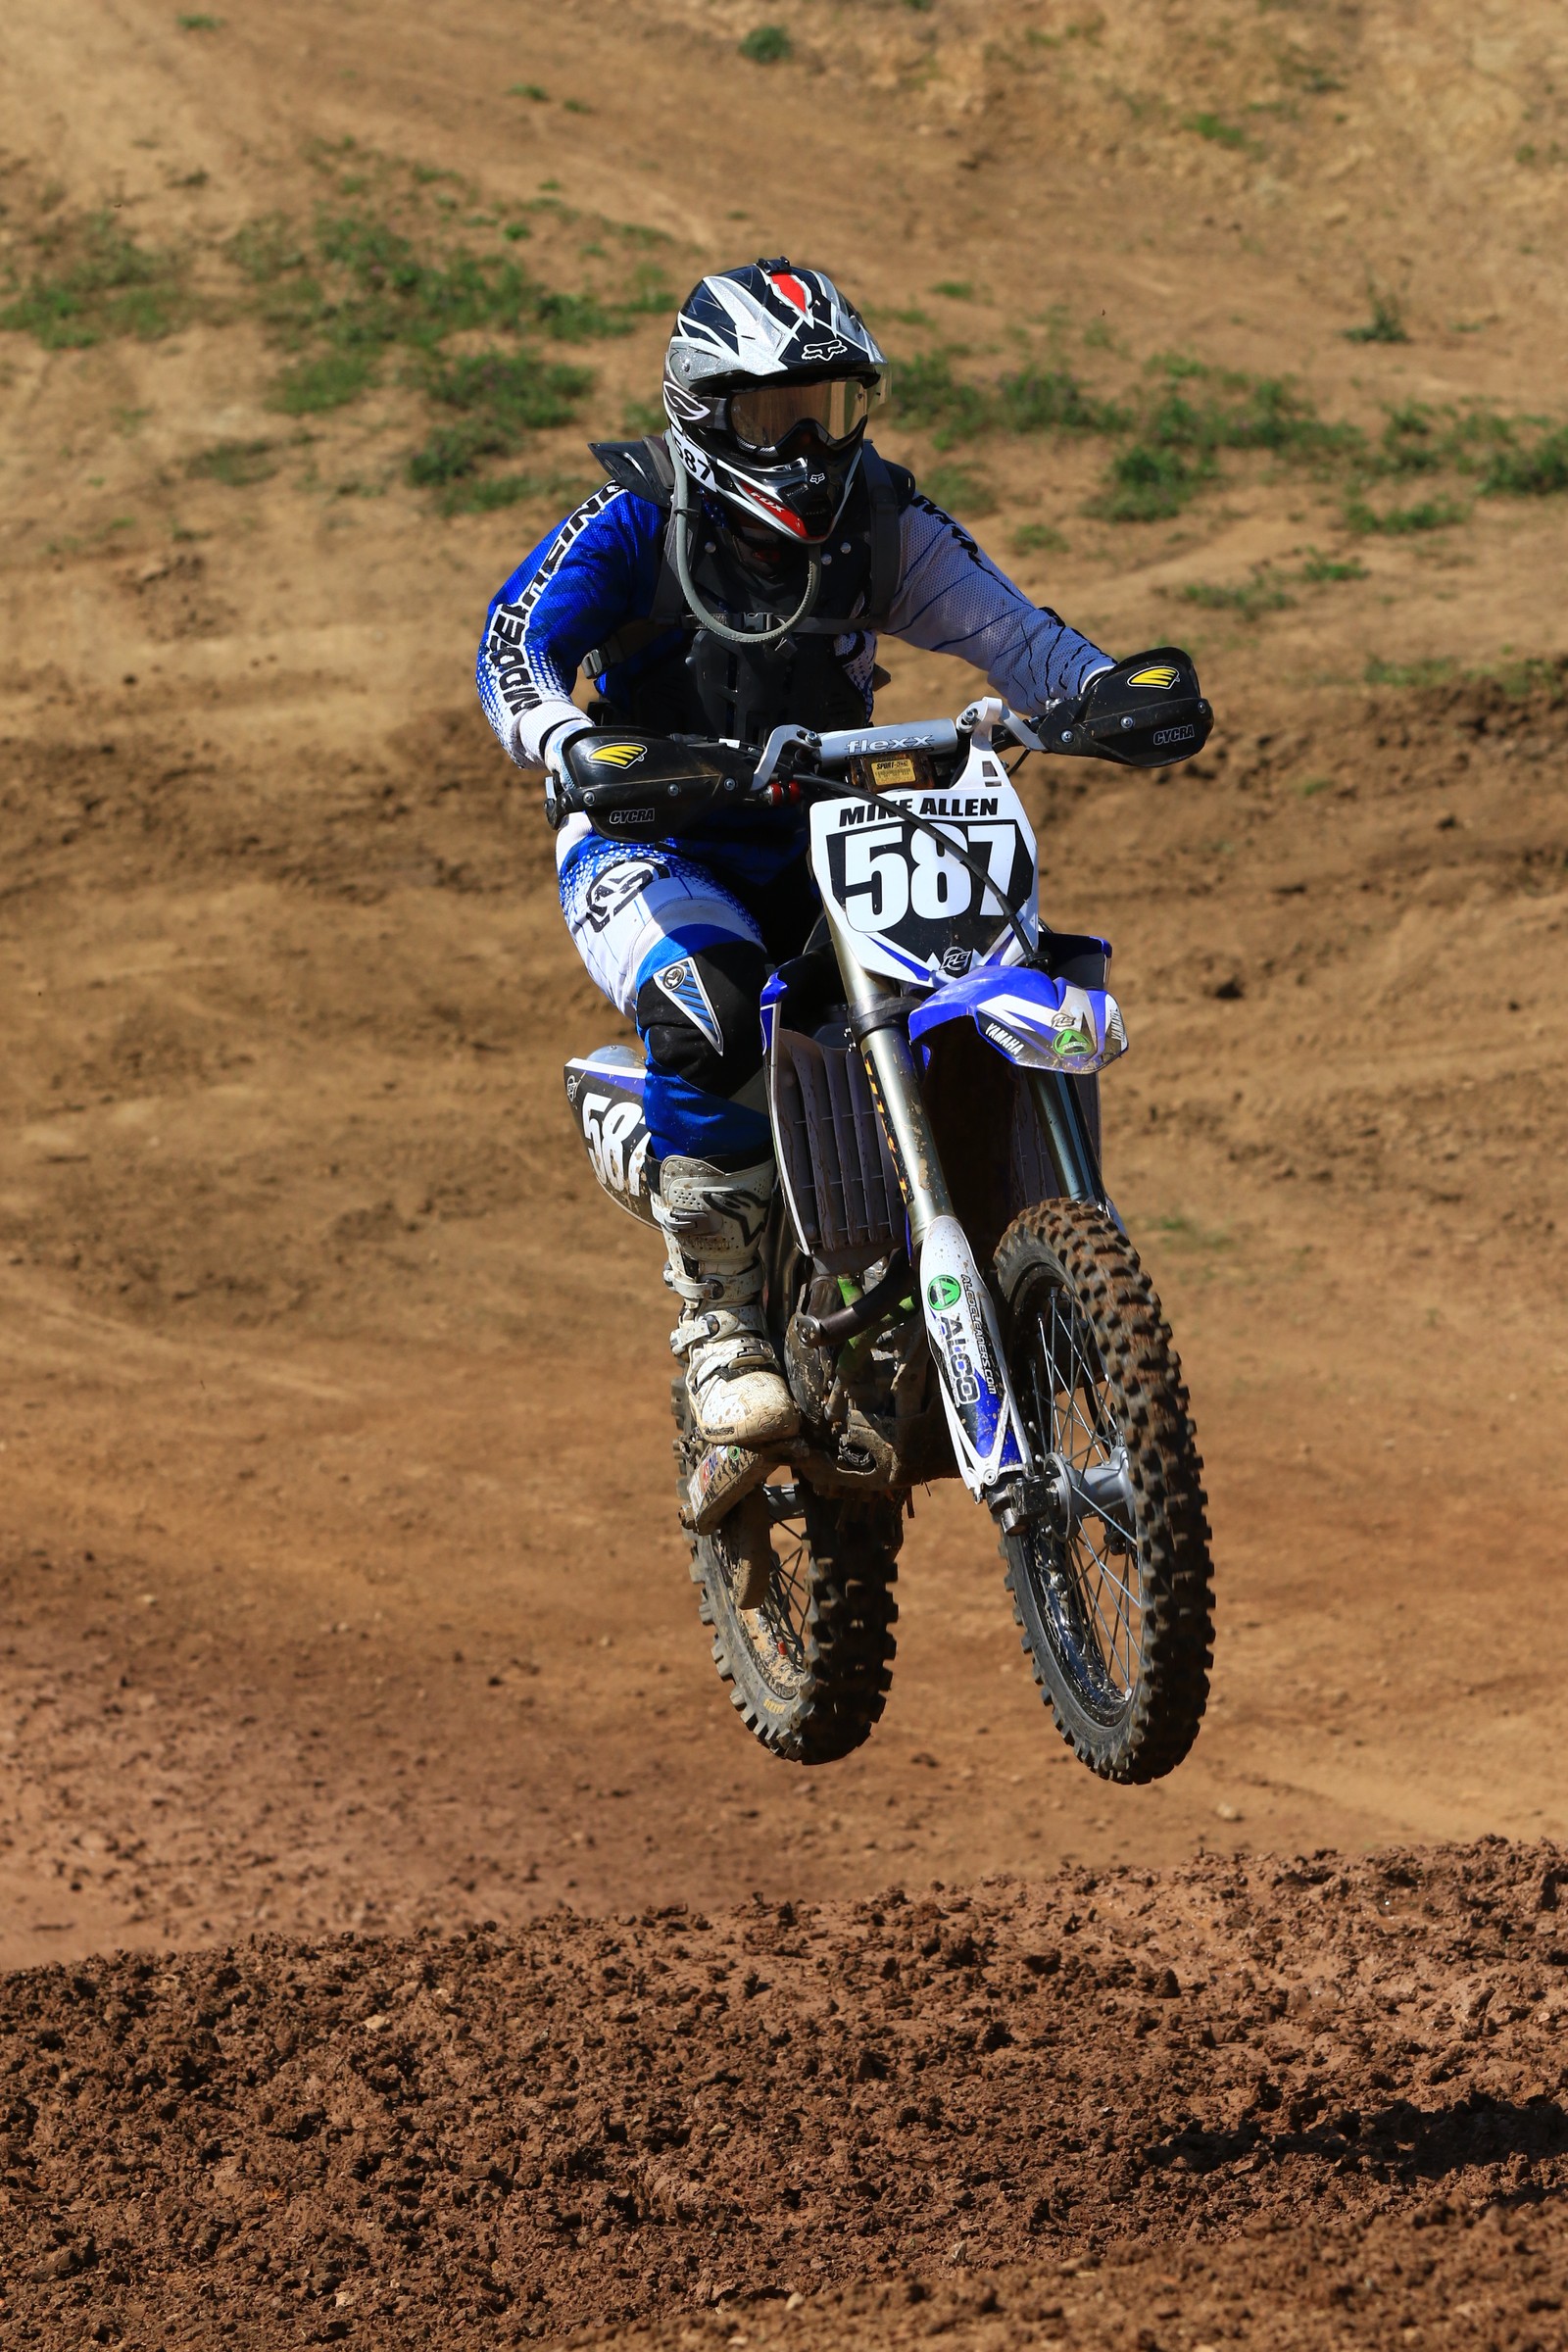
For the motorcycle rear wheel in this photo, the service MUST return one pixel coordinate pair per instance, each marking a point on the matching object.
(1115, 1608)
(809, 1669)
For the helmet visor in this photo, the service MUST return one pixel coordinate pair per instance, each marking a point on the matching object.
(766, 415)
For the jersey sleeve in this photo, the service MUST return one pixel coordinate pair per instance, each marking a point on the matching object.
(594, 572)
(952, 599)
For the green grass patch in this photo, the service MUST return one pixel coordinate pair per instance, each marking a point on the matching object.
(330, 381)
(1048, 400)
(91, 284)
(1518, 680)
(1397, 522)
(1149, 481)
(487, 493)
(767, 45)
(961, 490)
(199, 23)
(1038, 539)
(1435, 673)
(1248, 600)
(377, 289)
(1178, 419)
(1319, 568)
(265, 249)
(1541, 471)
(1507, 456)
(956, 289)
(1186, 1233)
(640, 417)
(499, 396)
(1218, 131)
(927, 393)
(1411, 441)
(234, 463)
(1184, 415)
(1386, 323)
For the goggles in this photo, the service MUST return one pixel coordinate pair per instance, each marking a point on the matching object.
(764, 417)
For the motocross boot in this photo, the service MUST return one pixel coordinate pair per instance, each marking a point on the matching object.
(712, 1225)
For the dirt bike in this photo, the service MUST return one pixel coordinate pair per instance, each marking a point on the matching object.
(949, 1286)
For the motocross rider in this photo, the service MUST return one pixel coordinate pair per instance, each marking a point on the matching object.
(730, 576)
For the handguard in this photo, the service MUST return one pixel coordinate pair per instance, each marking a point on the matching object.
(634, 787)
(1146, 712)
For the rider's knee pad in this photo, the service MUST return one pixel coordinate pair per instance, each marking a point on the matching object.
(698, 1019)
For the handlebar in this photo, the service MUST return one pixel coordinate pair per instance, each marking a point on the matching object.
(1145, 713)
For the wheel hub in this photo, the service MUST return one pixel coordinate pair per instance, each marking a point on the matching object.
(1064, 1497)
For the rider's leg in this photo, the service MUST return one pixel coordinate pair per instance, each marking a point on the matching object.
(684, 958)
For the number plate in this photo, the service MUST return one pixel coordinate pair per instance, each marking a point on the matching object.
(910, 910)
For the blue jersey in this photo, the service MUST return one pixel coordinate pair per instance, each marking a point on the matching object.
(600, 569)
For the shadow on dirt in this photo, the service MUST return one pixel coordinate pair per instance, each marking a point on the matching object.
(1399, 2142)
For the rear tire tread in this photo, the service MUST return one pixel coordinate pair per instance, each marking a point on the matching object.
(848, 1638)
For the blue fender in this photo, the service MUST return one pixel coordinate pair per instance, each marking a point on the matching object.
(1031, 1020)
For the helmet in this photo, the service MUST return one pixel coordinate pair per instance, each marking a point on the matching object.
(768, 381)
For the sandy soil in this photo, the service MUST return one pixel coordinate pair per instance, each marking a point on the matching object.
(335, 1598)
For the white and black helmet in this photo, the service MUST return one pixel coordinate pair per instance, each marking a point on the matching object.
(768, 381)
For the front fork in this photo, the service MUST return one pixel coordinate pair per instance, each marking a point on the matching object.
(988, 1438)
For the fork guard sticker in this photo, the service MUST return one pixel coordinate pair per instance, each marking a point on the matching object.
(961, 1325)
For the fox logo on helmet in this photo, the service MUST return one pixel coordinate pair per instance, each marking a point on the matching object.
(763, 325)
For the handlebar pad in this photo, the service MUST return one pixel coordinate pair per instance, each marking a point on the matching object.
(632, 786)
(1148, 711)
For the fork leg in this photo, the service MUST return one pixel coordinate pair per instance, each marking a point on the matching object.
(896, 1087)
(989, 1440)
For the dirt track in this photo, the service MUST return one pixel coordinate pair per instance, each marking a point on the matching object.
(333, 1602)
(506, 2136)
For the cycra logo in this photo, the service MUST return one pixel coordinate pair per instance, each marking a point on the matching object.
(618, 755)
(1163, 677)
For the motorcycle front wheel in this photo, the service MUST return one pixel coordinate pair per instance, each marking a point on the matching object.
(1111, 1584)
(801, 1612)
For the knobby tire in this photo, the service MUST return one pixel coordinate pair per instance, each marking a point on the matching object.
(1128, 1698)
(809, 1672)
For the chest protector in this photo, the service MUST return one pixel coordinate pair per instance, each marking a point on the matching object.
(698, 683)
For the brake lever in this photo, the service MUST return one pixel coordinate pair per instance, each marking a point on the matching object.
(783, 750)
(562, 800)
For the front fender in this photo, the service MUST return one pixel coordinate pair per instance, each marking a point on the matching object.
(1031, 1020)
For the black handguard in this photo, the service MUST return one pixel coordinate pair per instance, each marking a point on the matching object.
(1146, 712)
(633, 787)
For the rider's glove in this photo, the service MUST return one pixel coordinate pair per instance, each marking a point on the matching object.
(558, 783)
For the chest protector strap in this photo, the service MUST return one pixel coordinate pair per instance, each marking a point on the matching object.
(644, 467)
